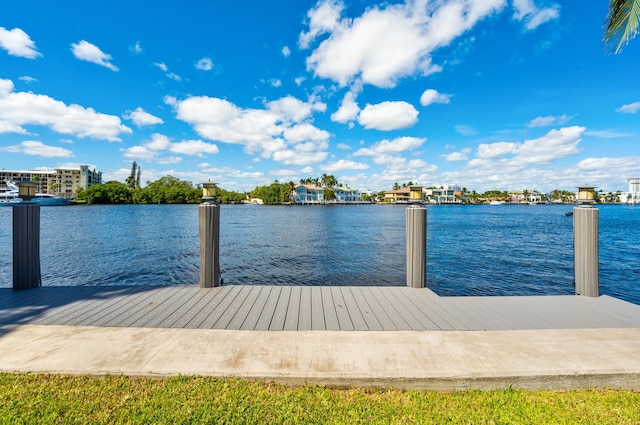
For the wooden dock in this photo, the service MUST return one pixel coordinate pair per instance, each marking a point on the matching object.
(281, 308)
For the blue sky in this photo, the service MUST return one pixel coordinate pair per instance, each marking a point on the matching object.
(487, 94)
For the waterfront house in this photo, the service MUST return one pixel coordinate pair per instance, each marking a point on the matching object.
(405, 195)
(308, 194)
(345, 195)
(446, 194)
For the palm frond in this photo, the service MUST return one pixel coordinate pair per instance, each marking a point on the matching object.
(622, 23)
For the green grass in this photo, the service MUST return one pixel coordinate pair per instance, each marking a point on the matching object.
(36, 399)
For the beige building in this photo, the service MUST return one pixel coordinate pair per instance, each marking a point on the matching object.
(64, 181)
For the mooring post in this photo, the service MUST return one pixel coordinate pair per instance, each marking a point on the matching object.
(209, 222)
(26, 246)
(416, 247)
(585, 250)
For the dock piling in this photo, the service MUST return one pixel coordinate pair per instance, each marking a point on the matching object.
(416, 247)
(209, 225)
(26, 246)
(585, 250)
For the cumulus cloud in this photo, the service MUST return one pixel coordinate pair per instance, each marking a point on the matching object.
(388, 116)
(630, 108)
(286, 52)
(18, 109)
(432, 96)
(36, 148)
(283, 130)
(154, 149)
(141, 118)
(400, 144)
(548, 120)
(18, 43)
(342, 165)
(387, 42)
(204, 64)
(348, 110)
(86, 51)
(553, 145)
(533, 16)
(463, 155)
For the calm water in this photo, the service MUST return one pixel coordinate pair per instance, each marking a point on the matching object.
(472, 250)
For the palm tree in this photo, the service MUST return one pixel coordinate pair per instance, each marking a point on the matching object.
(622, 23)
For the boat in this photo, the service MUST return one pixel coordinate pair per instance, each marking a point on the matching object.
(496, 203)
(10, 196)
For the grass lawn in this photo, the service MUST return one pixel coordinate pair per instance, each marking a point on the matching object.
(36, 398)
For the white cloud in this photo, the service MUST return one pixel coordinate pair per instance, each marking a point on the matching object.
(204, 64)
(18, 109)
(18, 43)
(432, 96)
(533, 17)
(152, 149)
(342, 165)
(343, 146)
(141, 118)
(27, 79)
(387, 42)
(283, 130)
(86, 51)
(348, 110)
(165, 69)
(630, 108)
(463, 155)
(466, 130)
(400, 144)
(136, 48)
(548, 120)
(36, 148)
(388, 116)
(193, 147)
(286, 52)
(555, 144)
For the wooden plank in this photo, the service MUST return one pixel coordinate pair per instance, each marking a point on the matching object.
(435, 309)
(342, 312)
(180, 301)
(209, 304)
(270, 304)
(305, 312)
(357, 318)
(242, 311)
(293, 309)
(395, 310)
(378, 310)
(259, 305)
(112, 313)
(84, 310)
(317, 308)
(282, 306)
(367, 311)
(330, 314)
(153, 306)
(150, 305)
(412, 314)
(235, 297)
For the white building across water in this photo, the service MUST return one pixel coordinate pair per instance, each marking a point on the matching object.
(63, 181)
(633, 196)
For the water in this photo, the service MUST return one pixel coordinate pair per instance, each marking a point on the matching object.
(472, 250)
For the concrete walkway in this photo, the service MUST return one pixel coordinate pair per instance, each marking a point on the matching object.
(437, 360)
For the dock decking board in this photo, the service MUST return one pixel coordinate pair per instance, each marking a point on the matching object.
(336, 308)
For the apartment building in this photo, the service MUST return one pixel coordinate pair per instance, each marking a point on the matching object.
(63, 181)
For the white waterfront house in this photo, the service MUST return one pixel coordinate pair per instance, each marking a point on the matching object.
(445, 194)
(345, 195)
(308, 194)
